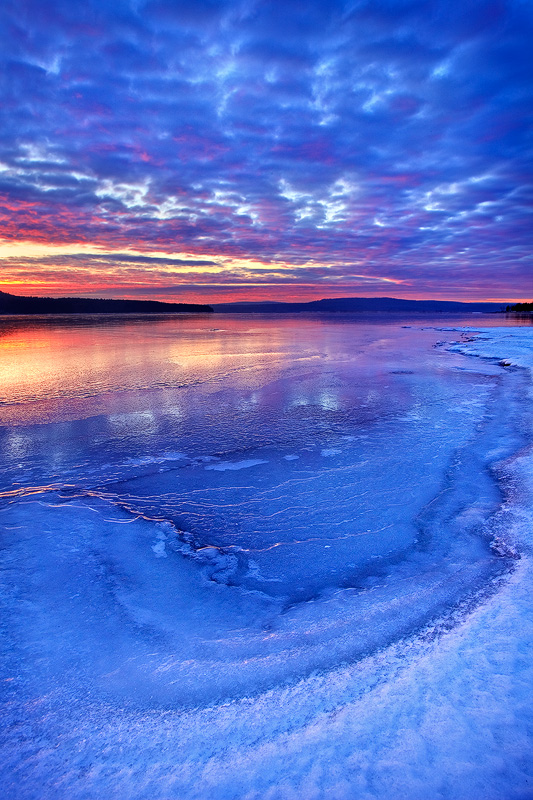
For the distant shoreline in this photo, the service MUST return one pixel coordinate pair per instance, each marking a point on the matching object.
(380, 305)
(11, 304)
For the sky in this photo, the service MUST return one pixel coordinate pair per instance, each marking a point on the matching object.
(290, 150)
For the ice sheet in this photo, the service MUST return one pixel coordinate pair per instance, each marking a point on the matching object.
(190, 611)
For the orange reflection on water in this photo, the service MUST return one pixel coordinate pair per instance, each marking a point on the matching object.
(79, 366)
(47, 362)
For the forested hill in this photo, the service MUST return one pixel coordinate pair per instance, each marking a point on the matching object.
(15, 304)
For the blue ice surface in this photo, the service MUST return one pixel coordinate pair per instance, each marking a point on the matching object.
(279, 559)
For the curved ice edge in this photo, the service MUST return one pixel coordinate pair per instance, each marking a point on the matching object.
(312, 638)
(474, 581)
(226, 565)
(283, 736)
(513, 346)
(374, 667)
(223, 566)
(505, 347)
(331, 689)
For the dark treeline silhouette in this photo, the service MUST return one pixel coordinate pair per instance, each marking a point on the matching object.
(520, 308)
(15, 304)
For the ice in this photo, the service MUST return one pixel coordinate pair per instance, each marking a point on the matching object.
(510, 346)
(235, 465)
(295, 563)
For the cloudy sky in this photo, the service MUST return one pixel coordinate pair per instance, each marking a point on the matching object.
(250, 149)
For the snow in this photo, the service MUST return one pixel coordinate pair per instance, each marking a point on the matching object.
(190, 611)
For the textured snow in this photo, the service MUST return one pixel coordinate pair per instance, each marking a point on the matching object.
(306, 576)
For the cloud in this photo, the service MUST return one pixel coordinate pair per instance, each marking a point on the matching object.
(388, 137)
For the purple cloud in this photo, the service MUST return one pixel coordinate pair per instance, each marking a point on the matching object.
(391, 139)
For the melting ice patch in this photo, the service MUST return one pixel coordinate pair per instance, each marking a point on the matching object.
(246, 463)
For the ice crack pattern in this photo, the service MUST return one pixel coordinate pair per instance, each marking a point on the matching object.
(272, 583)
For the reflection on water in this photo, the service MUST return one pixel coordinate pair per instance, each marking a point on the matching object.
(255, 433)
(53, 358)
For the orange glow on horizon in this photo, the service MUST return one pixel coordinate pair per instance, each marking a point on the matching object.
(182, 277)
(219, 294)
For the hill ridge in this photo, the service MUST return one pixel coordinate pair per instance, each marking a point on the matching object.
(21, 304)
(359, 304)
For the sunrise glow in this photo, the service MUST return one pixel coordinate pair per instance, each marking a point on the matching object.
(229, 151)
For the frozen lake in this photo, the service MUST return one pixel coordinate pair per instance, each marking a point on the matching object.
(266, 557)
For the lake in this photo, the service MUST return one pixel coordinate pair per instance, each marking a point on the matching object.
(266, 556)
